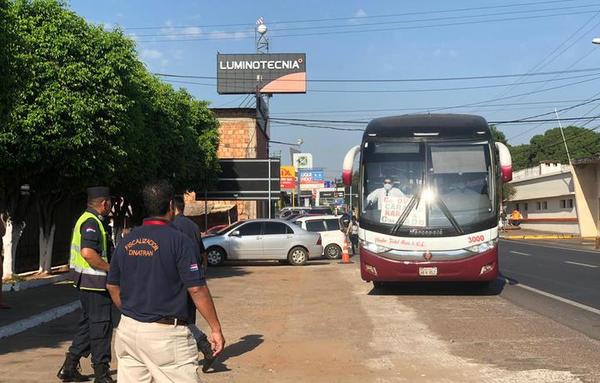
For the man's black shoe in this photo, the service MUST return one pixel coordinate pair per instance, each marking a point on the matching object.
(70, 370)
(206, 349)
(102, 373)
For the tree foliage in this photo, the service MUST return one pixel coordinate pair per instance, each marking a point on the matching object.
(550, 146)
(86, 111)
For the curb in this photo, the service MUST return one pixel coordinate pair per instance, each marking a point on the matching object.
(24, 285)
(38, 319)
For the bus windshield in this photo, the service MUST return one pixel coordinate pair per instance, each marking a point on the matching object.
(427, 185)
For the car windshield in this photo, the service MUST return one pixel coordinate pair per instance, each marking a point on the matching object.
(417, 185)
(228, 228)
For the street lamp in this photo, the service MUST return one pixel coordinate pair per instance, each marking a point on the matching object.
(596, 40)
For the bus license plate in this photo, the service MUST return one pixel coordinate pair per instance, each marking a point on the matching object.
(428, 271)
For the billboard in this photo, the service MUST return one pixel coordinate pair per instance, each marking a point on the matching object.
(311, 179)
(302, 160)
(245, 179)
(287, 178)
(264, 73)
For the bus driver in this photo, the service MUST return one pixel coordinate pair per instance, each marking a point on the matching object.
(388, 190)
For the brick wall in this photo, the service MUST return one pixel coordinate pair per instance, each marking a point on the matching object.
(239, 137)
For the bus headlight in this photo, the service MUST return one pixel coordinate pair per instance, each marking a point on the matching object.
(485, 246)
(375, 248)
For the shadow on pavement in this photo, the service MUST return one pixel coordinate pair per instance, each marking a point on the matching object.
(50, 335)
(240, 264)
(245, 344)
(440, 288)
(226, 271)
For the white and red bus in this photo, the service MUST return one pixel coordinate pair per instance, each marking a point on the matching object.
(429, 198)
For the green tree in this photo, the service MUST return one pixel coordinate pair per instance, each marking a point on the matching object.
(581, 142)
(520, 156)
(498, 135)
(87, 111)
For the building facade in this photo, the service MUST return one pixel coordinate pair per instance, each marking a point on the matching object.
(240, 136)
(545, 196)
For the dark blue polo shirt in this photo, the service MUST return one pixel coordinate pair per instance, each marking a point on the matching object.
(189, 227)
(154, 265)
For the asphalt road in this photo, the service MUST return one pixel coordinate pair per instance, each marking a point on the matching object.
(558, 282)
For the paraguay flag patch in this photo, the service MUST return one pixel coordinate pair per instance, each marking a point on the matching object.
(194, 267)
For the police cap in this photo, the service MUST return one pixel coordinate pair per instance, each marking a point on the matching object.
(98, 192)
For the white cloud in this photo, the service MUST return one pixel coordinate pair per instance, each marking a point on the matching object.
(228, 35)
(151, 54)
(107, 26)
(192, 31)
(360, 13)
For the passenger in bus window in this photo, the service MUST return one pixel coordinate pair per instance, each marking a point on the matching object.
(388, 190)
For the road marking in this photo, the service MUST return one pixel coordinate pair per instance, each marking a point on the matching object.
(581, 264)
(518, 252)
(552, 296)
(552, 247)
(38, 319)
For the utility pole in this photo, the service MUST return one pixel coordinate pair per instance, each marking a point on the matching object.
(563, 136)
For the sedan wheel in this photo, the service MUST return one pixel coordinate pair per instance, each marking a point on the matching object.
(215, 256)
(298, 256)
(333, 251)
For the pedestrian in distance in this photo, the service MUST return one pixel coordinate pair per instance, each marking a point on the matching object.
(189, 228)
(2, 232)
(157, 283)
(352, 233)
(516, 217)
(89, 264)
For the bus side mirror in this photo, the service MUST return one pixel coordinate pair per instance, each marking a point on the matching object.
(348, 165)
(505, 162)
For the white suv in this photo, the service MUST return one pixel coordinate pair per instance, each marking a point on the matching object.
(331, 234)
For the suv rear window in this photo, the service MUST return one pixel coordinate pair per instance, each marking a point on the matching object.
(332, 224)
(315, 225)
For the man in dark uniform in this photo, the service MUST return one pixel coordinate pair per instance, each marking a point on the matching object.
(90, 247)
(157, 282)
(189, 228)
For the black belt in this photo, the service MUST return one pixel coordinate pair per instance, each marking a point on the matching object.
(172, 321)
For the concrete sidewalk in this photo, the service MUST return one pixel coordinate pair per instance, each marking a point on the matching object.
(32, 307)
(570, 241)
(519, 233)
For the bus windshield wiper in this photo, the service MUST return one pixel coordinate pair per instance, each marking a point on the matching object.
(449, 215)
(414, 201)
(406, 212)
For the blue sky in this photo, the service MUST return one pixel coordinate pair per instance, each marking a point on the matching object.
(410, 40)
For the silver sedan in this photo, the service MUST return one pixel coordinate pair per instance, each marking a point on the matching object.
(262, 239)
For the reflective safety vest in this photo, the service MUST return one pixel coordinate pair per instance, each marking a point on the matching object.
(84, 276)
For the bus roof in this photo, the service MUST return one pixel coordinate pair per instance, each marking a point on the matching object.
(429, 125)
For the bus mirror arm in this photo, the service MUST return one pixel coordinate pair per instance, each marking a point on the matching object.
(348, 165)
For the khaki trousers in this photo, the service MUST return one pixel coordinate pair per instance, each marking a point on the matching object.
(154, 352)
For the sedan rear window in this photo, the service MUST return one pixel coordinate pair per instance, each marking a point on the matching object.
(332, 224)
(315, 225)
(276, 228)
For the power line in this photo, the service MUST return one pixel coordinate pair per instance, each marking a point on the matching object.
(354, 17)
(242, 35)
(543, 63)
(345, 111)
(526, 120)
(418, 79)
(407, 90)
(362, 25)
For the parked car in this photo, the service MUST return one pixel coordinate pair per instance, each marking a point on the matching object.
(263, 239)
(287, 212)
(331, 233)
